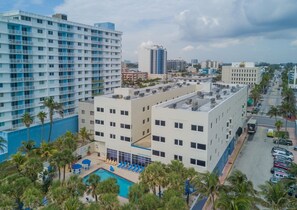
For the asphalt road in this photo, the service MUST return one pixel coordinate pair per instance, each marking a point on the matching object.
(255, 158)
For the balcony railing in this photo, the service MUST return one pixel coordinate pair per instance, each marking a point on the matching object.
(17, 88)
(29, 88)
(17, 79)
(17, 98)
(18, 107)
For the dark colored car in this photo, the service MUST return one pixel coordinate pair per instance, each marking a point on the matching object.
(295, 148)
(283, 142)
(273, 169)
(293, 191)
(282, 165)
(282, 158)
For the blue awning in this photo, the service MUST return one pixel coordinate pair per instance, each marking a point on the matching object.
(76, 166)
(86, 161)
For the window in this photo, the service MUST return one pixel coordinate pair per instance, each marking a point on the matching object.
(83, 120)
(113, 124)
(50, 32)
(148, 107)
(200, 163)
(126, 126)
(178, 125)
(99, 122)
(193, 161)
(160, 122)
(162, 154)
(155, 152)
(123, 112)
(99, 109)
(200, 128)
(99, 133)
(50, 23)
(91, 113)
(82, 111)
(112, 136)
(193, 145)
(50, 41)
(91, 122)
(40, 48)
(40, 31)
(158, 138)
(178, 157)
(125, 138)
(39, 21)
(201, 146)
(50, 49)
(178, 142)
(193, 127)
(143, 109)
(112, 111)
(197, 128)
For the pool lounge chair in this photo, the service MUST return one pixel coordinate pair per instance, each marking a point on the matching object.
(136, 168)
(141, 169)
(130, 167)
(124, 165)
(120, 165)
(115, 163)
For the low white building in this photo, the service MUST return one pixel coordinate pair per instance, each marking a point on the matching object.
(241, 73)
(165, 122)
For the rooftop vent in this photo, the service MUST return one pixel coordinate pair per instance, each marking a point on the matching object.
(195, 106)
(136, 92)
(173, 106)
(218, 96)
(154, 91)
(127, 97)
(212, 100)
(225, 92)
(141, 94)
(160, 88)
(115, 96)
(148, 90)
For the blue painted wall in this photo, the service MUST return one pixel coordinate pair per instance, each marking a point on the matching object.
(224, 158)
(15, 138)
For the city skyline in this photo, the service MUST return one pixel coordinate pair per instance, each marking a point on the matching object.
(219, 30)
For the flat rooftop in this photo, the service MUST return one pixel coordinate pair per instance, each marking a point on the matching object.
(201, 101)
(130, 93)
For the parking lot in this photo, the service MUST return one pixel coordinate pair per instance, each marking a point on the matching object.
(255, 158)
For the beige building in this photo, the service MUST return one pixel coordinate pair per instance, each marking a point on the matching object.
(86, 115)
(197, 124)
(209, 64)
(241, 73)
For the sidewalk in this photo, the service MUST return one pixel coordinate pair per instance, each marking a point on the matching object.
(229, 165)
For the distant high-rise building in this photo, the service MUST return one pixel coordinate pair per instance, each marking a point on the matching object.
(153, 59)
(194, 62)
(176, 65)
(208, 64)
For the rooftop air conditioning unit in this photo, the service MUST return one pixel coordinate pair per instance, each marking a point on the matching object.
(154, 91)
(127, 97)
(218, 96)
(148, 90)
(141, 94)
(120, 96)
(174, 106)
(212, 100)
(136, 92)
(225, 92)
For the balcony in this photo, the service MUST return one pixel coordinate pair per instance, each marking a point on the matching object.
(29, 96)
(17, 88)
(18, 107)
(17, 98)
(27, 60)
(26, 33)
(11, 31)
(28, 70)
(17, 79)
(27, 52)
(13, 41)
(27, 42)
(16, 60)
(18, 116)
(28, 79)
(16, 51)
(29, 88)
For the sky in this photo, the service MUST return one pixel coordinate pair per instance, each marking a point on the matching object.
(222, 30)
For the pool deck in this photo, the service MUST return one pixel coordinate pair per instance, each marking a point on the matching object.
(97, 163)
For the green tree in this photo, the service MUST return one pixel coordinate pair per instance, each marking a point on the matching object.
(42, 116)
(85, 135)
(46, 151)
(149, 201)
(108, 186)
(27, 120)
(208, 184)
(94, 206)
(32, 167)
(32, 198)
(136, 191)
(52, 108)
(73, 203)
(154, 176)
(27, 147)
(57, 193)
(93, 182)
(18, 159)
(67, 158)
(75, 186)
(3, 144)
(7, 202)
(109, 201)
(278, 124)
(229, 201)
(275, 196)
(176, 203)
(57, 160)
(273, 112)
(239, 184)
(286, 109)
(255, 94)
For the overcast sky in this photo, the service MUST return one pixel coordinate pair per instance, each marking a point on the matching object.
(224, 30)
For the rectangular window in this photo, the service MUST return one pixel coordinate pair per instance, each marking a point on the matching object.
(112, 111)
(200, 163)
(162, 123)
(178, 125)
(39, 31)
(50, 32)
(99, 109)
(193, 145)
(157, 122)
(39, 21)
(178, 157)
(193, 127)
(200, 128)
(155, 152)
(112, 124)
(162, 154)
(156, 138)
(99, 122)
(50, 23)
(193, 161)
(123, 112)
(201, 146)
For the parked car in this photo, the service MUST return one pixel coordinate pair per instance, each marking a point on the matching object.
(274, 180)
(273, 169)
(277, 148)
(293, 191)
(270, 133)
(282, 165)
(295, 148)
(282, 158)
(283, 142)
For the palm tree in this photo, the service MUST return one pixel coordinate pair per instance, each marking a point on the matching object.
(75, 186)
(208, 185)
(228, 201)
(57, 160)
(32, 198)
(42, 116)
(286, 109)
(32, 167)
(255, 94)
(18, 159)
(46, 151)
(109, 201)
(3, 144)
(149, 201)
(273, 112)
(93, 183)
(27, 120)
(67, 158)
(176, 202)
(275, 196)
(108, 186)
(52, 107)
(27, 147)
(73, 203)
(57, 193)
(84, 134)
(278, 124)
(239, 184)
(154, 176)
(136, 191)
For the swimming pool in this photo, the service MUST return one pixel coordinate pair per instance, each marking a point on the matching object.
(123, 183)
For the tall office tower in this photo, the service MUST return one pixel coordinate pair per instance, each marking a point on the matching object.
(153, 59)
(52, 57)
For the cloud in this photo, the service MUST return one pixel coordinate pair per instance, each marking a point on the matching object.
(294, 43)
(188, 48)
(146, 44)
(224, 43)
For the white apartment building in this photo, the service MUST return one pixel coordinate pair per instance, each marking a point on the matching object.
(86, 115)
(241, 73)
(209, 64)
(51, 57)
(153, 59)
(166, 122)
(200, 129)
(123, 121)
